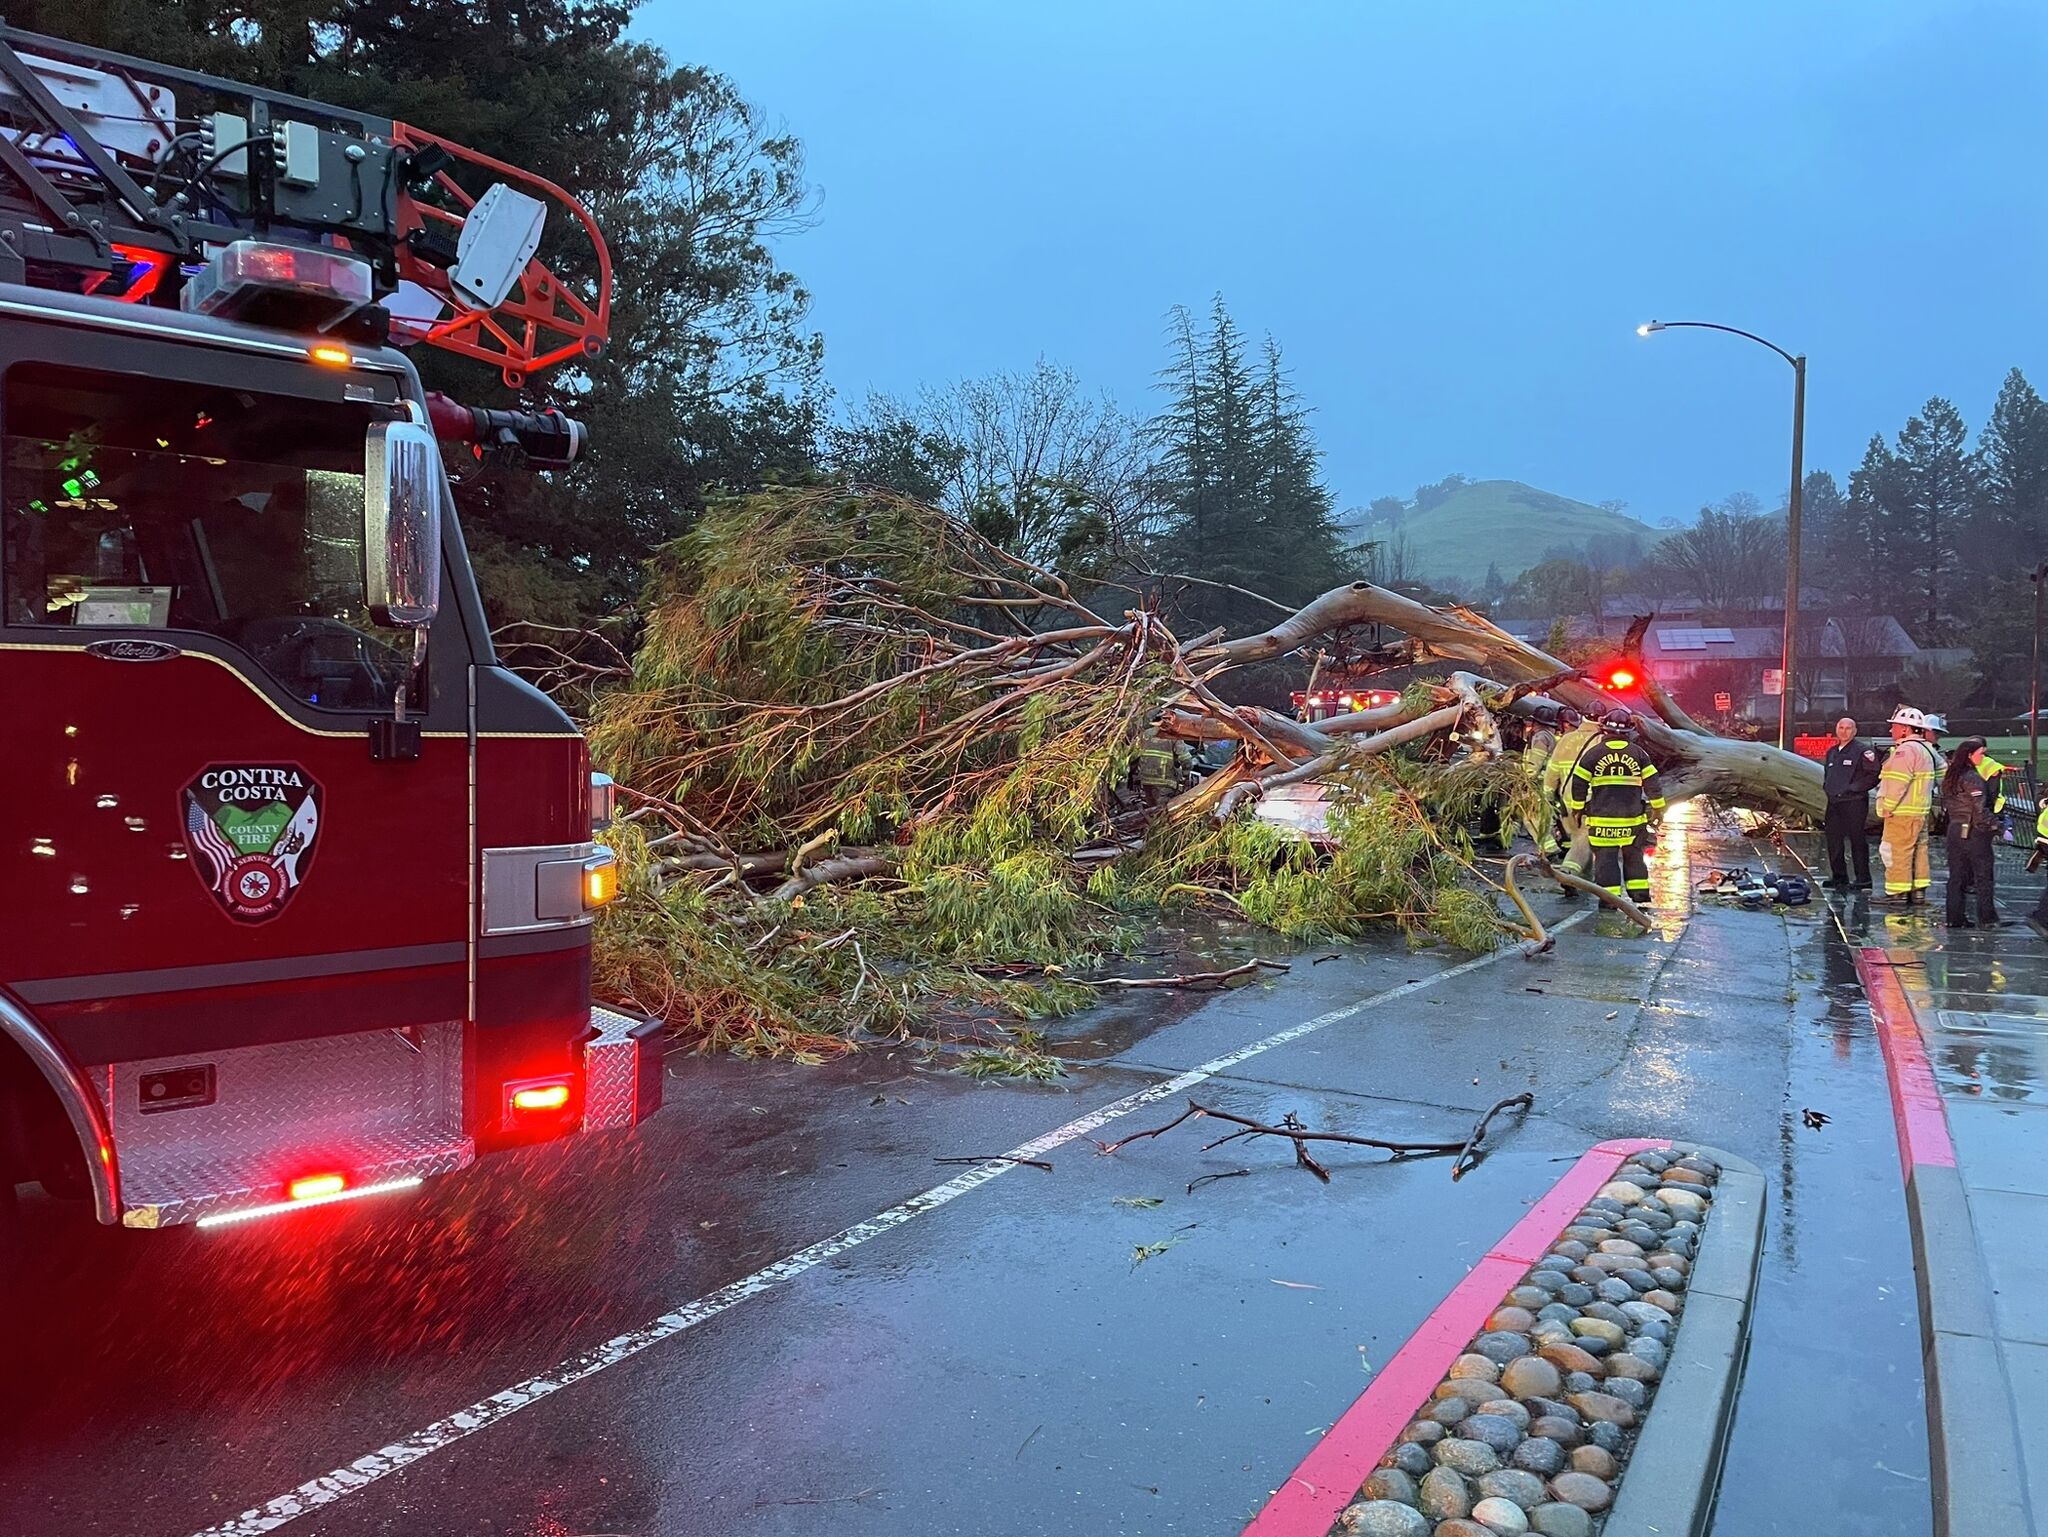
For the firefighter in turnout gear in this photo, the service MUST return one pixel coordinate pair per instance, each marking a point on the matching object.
(1579, 734)
(1905, 800)
(1160, 771)
(1537, 751)
(1613, 787)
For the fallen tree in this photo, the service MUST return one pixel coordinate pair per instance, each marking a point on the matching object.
(871, 758)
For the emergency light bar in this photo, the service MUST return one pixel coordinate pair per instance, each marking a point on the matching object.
(296, 287)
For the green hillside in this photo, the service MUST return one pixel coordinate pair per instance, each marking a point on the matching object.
(1506, 524)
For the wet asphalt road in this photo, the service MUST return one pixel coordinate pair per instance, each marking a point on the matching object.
(998, 1364)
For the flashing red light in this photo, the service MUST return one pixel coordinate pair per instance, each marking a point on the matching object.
(552, 1096)
(265, 283)
(1621, 677)
(311, 1187)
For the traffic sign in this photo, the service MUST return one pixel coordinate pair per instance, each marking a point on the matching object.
(1724, 702)
(1774, 680)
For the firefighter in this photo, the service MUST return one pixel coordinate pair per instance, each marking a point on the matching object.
(1848, 775)
(1537, 752)
(2039, 916)
(1905, 801)
(1161, 769)
(1613, 787)
(1577, 735)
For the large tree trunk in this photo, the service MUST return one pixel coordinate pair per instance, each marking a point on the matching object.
(1693, 762)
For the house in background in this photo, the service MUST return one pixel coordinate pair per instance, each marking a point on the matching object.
(1846, 660)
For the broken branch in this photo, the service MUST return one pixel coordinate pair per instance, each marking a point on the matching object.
(1193, 978)
(1460, 1167)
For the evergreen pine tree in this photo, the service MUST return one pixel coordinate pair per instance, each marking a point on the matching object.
(2011, 524)
(1181, 440)
(1938, 488)
(1824, 514)
(1301, 550)
(1238, 477)
(1234, 453)
(1869, 530)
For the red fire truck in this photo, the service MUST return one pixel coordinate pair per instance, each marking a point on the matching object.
(296, 880)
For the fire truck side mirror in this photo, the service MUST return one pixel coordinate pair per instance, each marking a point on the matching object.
(403, 488)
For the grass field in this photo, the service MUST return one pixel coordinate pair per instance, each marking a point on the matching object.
(1506, 524)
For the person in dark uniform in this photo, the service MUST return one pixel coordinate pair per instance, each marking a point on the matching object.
(1614, 787)
(1971, 834)
(1848, 775)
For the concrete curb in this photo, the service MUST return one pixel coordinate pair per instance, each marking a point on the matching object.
(1975, 1464)
(1674, 1473)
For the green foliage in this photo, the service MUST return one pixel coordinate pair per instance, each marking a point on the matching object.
(776, 696)
(1026, 1059)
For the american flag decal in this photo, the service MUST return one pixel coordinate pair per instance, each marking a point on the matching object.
(207, 840)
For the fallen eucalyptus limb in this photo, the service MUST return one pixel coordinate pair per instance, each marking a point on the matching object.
(1540, 939)
(845, 868)
(1613, 899)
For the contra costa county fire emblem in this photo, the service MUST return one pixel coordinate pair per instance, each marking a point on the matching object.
(250, 829)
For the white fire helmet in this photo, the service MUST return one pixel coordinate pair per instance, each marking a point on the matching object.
(1938, 724)
(1906, 715)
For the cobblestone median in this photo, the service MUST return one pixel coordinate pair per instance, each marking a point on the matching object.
(1532, 1429)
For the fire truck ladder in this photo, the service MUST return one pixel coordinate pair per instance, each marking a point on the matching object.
(107, 188)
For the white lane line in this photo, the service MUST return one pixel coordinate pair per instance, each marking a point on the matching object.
(367, 1469)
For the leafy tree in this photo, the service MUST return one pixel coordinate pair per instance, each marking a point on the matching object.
(1040, 465)
(1558, 587)
(1729, 560)
(881, 444)
(1436, 495)
(1386, 509)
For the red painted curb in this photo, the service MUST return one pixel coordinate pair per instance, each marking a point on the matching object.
(1916, 1100)
(1316, 1492)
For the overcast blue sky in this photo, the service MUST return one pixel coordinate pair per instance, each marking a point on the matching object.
(1451, 213)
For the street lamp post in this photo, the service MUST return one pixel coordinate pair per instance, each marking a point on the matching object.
(1790, 653)
(2037, 576)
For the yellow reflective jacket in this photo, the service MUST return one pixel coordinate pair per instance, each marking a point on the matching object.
(1906, 787)
(1993, 772)
(1565, 755)
(1614, 786)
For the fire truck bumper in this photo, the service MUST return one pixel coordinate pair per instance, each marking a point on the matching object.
(371, 1111)
(621, 1069)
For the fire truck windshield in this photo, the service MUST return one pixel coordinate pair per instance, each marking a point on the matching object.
(131, 503)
